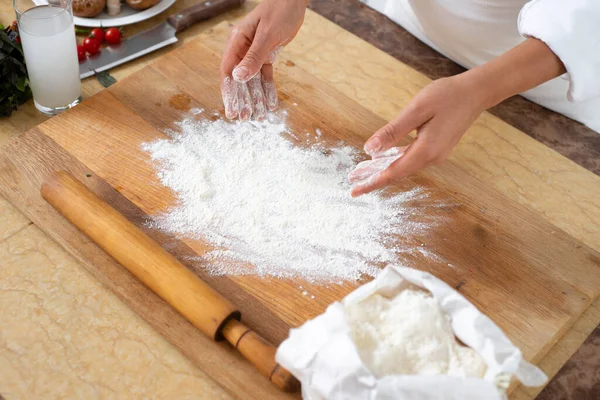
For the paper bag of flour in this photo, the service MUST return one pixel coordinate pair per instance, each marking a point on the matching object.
(324, 356)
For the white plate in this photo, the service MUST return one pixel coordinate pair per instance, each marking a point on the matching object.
(126, 17)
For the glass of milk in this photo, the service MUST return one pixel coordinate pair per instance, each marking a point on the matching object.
(48, 38)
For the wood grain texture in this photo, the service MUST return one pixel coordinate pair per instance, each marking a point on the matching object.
(569, 345)
(193, 298)
(136, 251)
(533, 279)
(24, 165)
(491, 151)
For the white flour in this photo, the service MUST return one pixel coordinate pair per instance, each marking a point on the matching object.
(409, 335)
(272, 208)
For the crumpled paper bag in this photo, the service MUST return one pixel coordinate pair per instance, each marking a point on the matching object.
(322, 355)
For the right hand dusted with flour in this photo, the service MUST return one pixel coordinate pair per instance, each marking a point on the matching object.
(441, 114)
(247, 83)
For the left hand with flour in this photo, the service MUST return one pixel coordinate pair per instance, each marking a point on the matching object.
(247, 83)
(443, 111)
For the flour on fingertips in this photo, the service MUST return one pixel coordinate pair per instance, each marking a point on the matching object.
(271, 207)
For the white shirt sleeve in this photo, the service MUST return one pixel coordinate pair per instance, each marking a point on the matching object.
(571, 28)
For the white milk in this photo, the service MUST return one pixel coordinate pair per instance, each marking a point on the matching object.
(48, 38)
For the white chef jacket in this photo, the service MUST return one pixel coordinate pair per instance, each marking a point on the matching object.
(472, 32)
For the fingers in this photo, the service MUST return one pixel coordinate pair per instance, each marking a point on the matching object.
(416, 157)
(244, 101)
(230, 97)
(366, 169)
(252, 98)
(391, 152)
(258, 97)
(412, 117)
(269, 88)
(238, 43)
(247, 93)
(253, 60)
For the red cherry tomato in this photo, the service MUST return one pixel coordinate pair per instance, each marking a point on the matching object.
(80, 52)
(98, 33)
(113, 36)
(91, 45)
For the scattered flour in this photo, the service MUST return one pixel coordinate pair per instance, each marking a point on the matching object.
(409, 334)
(270, 207)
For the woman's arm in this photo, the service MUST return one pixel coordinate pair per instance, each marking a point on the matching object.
(522, 68)
(443, 111)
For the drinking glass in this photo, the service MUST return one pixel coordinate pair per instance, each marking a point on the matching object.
(48, 38)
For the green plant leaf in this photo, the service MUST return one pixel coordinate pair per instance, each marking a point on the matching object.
(21, 83)
(14, 83)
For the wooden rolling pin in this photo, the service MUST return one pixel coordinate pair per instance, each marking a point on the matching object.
(204, 307)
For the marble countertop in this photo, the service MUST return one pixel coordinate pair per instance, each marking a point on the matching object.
(64, 335)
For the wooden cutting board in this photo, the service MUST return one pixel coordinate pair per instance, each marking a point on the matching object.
(529, 277)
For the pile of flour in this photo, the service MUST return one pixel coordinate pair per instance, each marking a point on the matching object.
(270, 207)
(409, 335)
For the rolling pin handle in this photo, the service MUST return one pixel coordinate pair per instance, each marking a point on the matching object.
(284, 380)
(260, 353)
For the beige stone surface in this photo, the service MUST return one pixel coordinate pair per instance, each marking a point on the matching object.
(63, 335)
(11, 220)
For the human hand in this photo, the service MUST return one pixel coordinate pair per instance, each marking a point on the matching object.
(444, 110)
(441, 113)
(247, 84)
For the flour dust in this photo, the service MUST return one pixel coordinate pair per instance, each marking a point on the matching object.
(270, 207)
